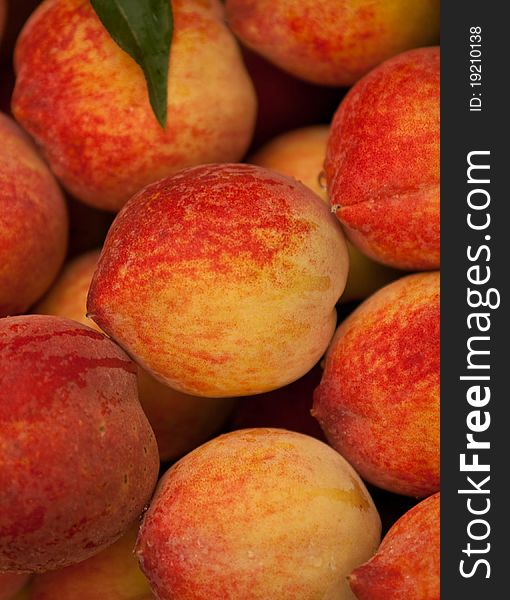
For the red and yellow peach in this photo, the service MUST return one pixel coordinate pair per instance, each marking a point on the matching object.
(378, 401)
(85, 100)
(222, 280)
(333, 42)
(382, 162)
(257, 514)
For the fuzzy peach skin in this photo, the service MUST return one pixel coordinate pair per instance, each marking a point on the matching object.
(10, 584)
(333, 42)
(33, 222)
(257, 514)
(85, 100)
(378, 401)
(406, 566)
(382, 162)
(180, 422)
(113, 574)
(222, 280)
(300, 154)
(79, 459)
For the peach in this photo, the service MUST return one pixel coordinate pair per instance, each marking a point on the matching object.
(85, 100)
(257, 514)
(222, 280)
(300, 154)
(79, 459)
(113, 574)
(406, 566)
(382, 162)
(33, 222)
(10, 584)
(333, 42)
(378, 401)
(179, 421)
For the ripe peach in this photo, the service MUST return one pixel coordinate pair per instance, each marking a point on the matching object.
(333, 42)
(257, 514)
(179, 421)
(406, 566)
(79, 459)
(10, 583)
(113, 574)
(85, 100)
(382, 162)
(222, 280)
(33, 222)
(301, 154)
(378, 401)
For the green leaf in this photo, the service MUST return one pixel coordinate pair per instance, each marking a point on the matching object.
(143, 29)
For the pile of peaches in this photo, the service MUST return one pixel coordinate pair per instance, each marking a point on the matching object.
(219, 340)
